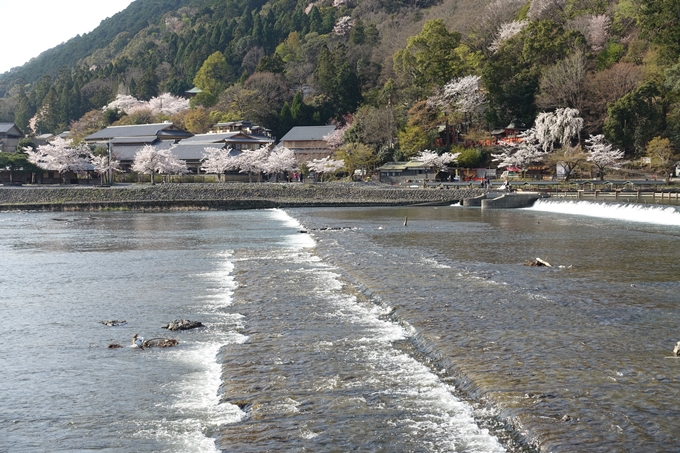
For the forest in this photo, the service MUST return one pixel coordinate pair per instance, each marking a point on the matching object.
(393, 73)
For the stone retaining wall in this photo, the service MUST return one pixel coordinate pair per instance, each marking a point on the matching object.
(223, 196)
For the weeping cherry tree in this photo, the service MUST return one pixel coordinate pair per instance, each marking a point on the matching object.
(520, 154)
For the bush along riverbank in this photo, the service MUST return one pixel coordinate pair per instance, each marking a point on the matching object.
(223, 196)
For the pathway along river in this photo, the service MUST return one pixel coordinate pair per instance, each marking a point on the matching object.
(363, 334)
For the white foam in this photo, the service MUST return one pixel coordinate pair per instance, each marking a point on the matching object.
(298, 239)
(632, 212)
(441, 417)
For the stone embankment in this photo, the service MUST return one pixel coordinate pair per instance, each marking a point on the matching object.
(223, 196)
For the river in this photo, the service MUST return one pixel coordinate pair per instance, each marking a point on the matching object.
(336, 329)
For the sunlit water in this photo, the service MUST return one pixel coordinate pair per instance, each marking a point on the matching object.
(362, 334)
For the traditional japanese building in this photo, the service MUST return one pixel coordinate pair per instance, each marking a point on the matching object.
(9, 137)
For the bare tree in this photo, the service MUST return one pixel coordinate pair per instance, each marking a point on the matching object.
(546, 9)
(605, 87)
(562, 85)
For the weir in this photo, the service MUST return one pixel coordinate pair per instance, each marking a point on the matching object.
(633, 212)
(496, 200)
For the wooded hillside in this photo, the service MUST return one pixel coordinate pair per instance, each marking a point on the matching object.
(396, 70)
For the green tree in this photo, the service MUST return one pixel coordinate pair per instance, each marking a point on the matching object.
(429, 58)
(412, 140)
(471, 157)
(24, 111)
(286, 120)
(357, 156)
(297, 109)
(512, 74)
(335, 78)
(663, 156)
(147, 87)
(272, 63)
(212, 78)
(17, 162)
(358, 34)
(315, 20)
(660, 21)
(636, 118)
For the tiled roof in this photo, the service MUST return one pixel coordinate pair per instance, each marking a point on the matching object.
(185, 151)
(138, 130)
(301, 133)
(400, 166)
(6, 128)
(146, 140)
(210, 138)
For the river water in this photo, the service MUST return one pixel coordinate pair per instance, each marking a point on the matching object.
(414, 329)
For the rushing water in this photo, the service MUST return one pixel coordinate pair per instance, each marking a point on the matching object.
(368, 332)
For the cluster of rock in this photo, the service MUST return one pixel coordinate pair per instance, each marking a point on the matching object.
(182, 324)
(114, 322)
(225, 196)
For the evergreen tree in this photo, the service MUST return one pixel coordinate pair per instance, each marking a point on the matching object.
(147, 87)
(297, 109)
(24, 111)
(357, 36)
(315, 20)
(286, 121)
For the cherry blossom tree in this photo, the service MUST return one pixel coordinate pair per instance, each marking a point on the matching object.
(598, 32)
(253, 161)
(462, 93)
(126, 103)
(336, 138)
(61, 156)
(505, 32)
(105, 166)
(218, 160)
(165, 103)
(325, 165)
(560, 126)
(435, 161)
(280, 160)
(343, 26)
(521, 154)
(603, 155)
(150, 160)
(168, 104)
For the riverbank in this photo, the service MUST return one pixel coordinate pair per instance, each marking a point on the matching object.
(227, 196)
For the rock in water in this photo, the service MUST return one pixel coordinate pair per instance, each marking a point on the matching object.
(161, 343)
(113, 322)
(182, 324)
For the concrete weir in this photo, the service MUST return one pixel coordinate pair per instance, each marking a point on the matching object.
(511, 200)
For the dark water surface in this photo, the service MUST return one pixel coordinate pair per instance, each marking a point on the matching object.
(577, 357)
(364, 334)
